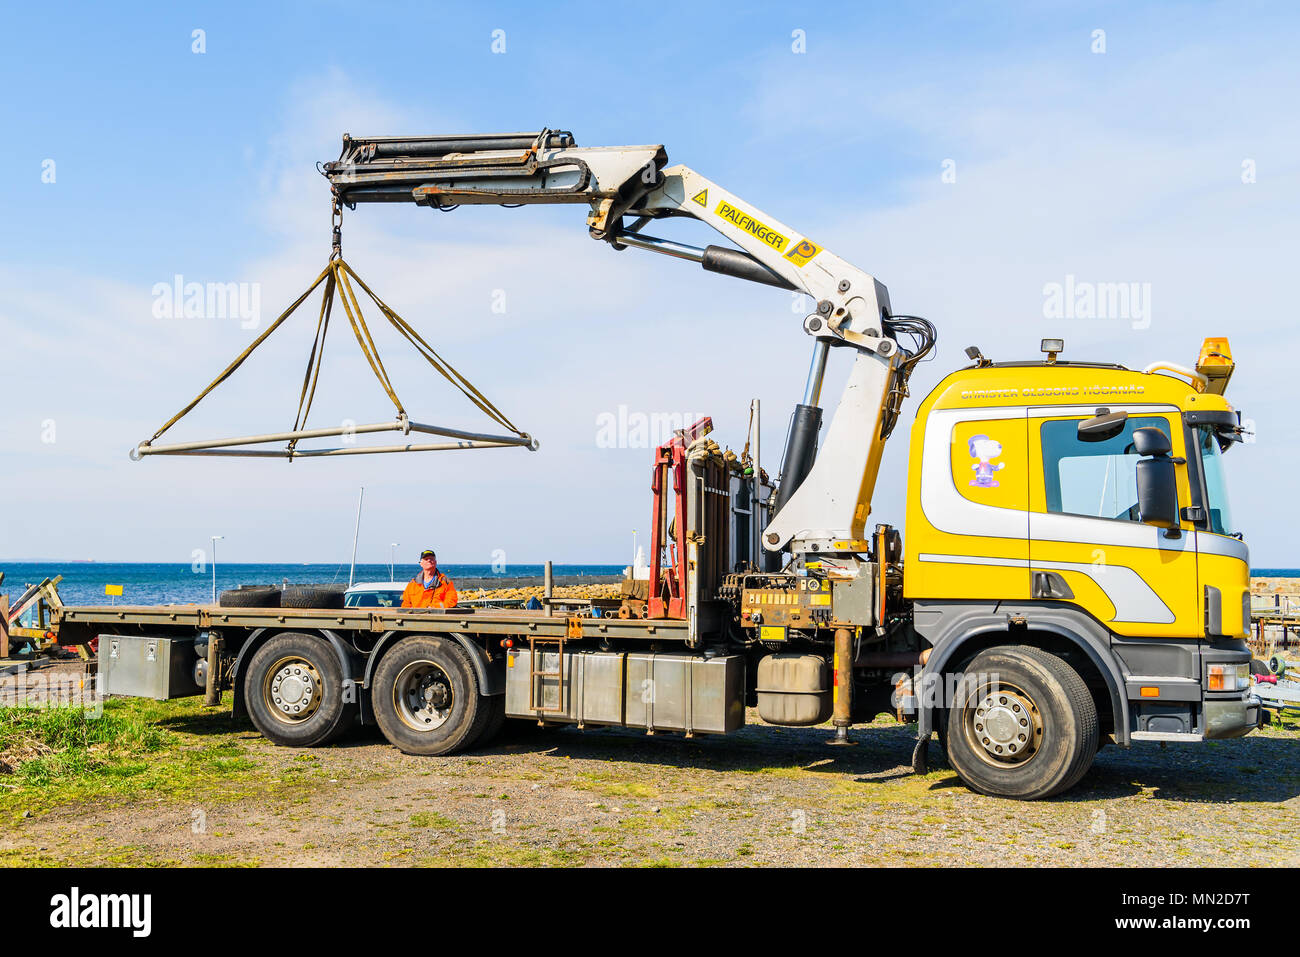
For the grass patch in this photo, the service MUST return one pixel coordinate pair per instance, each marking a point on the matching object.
(203, 859)
(613, 784)
(52, 757)
(39, 746)
(504, 853)
(433, 819)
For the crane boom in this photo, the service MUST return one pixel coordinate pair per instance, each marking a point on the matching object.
(823, 498)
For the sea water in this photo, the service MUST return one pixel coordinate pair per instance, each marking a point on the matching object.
(154, 583)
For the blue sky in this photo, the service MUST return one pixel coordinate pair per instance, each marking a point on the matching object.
(1122, 166)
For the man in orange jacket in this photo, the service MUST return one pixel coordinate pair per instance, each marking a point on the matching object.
(431, 588)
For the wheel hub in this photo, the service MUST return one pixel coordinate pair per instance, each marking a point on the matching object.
(436, 694)
(423, 696)
(293, 689)
(1006, 725)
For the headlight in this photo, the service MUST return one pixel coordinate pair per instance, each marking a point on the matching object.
(1228, 677)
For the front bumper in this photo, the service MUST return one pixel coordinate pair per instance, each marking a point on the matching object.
(1233, 719)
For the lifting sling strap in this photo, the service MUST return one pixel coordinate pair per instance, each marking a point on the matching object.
(338, 278)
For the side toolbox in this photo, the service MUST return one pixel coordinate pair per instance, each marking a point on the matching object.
(666, 692)
(141, 666)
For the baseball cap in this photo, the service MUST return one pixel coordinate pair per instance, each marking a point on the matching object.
(427, 553)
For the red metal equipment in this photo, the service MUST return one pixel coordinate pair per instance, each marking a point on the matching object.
(668, 585)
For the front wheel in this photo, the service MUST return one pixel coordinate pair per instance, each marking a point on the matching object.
(1023, 725)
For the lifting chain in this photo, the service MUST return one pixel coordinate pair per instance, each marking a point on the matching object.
(336, 238)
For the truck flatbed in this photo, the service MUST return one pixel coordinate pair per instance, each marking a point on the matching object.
(77, 624)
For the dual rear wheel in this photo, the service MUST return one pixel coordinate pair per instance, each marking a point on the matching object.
(427, 699)
(425, 695)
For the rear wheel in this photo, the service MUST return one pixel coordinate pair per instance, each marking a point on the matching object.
(426, 697)
(496, 708)
(293, 690)
(1023, 726)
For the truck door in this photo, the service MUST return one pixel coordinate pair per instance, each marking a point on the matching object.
(1087, 544)
(967, 520)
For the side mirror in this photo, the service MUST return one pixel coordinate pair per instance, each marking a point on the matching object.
(1101, 427)
(1157, 482)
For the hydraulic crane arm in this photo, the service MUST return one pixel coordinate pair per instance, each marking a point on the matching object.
(617, 182)
(824, 498)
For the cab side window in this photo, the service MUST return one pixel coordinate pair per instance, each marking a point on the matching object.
(1096, 479)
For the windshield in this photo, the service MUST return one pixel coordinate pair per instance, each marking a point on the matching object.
(1216, 485)
(374, 599)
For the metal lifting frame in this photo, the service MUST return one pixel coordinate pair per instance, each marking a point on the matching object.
(338, 275)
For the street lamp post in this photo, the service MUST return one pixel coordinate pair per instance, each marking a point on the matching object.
(215, 539)
(392, 549)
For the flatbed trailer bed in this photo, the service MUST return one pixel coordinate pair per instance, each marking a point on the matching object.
(435, 680)
(78, 624)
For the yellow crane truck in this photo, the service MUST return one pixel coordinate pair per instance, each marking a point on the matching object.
(1070, 573)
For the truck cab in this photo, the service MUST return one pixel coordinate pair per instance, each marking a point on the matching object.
(1084, 507)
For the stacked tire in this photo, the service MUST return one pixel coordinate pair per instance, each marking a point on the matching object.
(312, 596)
(251, 596)
(290, 596)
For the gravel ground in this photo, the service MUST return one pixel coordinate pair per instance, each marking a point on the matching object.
(762, 796)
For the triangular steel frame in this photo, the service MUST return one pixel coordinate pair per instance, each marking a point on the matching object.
(338, 276)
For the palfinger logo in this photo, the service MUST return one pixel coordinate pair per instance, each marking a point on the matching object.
(742, 220)
(76, 910)
(802, 252)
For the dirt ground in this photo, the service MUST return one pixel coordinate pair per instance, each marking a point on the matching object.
(762, 796)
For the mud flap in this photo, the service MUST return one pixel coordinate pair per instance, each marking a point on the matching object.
(921, 756)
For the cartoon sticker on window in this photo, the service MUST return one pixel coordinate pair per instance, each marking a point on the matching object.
(984, 450)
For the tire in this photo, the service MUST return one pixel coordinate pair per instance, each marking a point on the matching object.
(496, 708)
(312, 596)
(1038, 693)
(308, 668)
(250, 596)
(426, 698)
(1258, 667)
